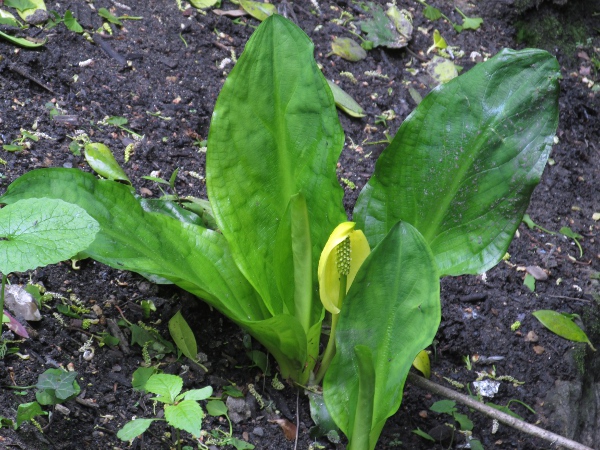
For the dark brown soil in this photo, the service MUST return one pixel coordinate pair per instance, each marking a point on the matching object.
(177, 67)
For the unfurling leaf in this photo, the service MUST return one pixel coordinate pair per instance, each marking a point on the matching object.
(183, 336)
(345, 102)
(422, 364)
(101, 159)
(562, 325)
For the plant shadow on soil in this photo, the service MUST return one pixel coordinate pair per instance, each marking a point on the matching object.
(178, 64)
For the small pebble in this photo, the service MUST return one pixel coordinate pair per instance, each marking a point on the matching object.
(258, 431)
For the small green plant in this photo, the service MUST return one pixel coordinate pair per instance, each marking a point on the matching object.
(182, 410)
(446, 197)
(54, 386)
(22, 142)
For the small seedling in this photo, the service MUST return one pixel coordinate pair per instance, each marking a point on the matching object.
(120, 122)
(182, 410)
(184, 338)
(21, 143)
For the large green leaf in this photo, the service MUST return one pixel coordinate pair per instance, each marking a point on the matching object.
(38, 232)
(190, 256)
(274, 133)
(392, 308)
(463, 165)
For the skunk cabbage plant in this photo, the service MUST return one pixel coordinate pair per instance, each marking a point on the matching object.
(445, 199)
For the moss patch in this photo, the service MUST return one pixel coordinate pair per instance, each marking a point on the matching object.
(554, 28)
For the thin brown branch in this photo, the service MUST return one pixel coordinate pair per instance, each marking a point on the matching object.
(504, 418)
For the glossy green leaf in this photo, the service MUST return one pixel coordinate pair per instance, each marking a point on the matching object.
(133, 429)
(345, 102)
(183, 336)
(192, 257)
(185, 415)
(392, 307)
(166, 386)
(258, 10)
(274, 133)
(363, 413)
(463, 165)
(561, 325)
(348, 49)
(101, 159)
(38, 232)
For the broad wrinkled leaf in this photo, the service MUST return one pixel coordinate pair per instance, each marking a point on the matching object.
(345, 102)
(101, 159)
(185, 415)
(183, 336)
(274, 133)
(348, 49)
(463, 165)
(562, 325)
(38, 232)
(133, 429)
(192, 257)
(393, 308)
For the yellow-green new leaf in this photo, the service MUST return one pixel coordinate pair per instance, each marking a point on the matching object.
(258, 10)
(422, 363)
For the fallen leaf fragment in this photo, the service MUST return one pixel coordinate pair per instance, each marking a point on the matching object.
(230, 12)
(538, 349)
(531, 337)
(537, 272)
(288, 428)
(348, 49)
